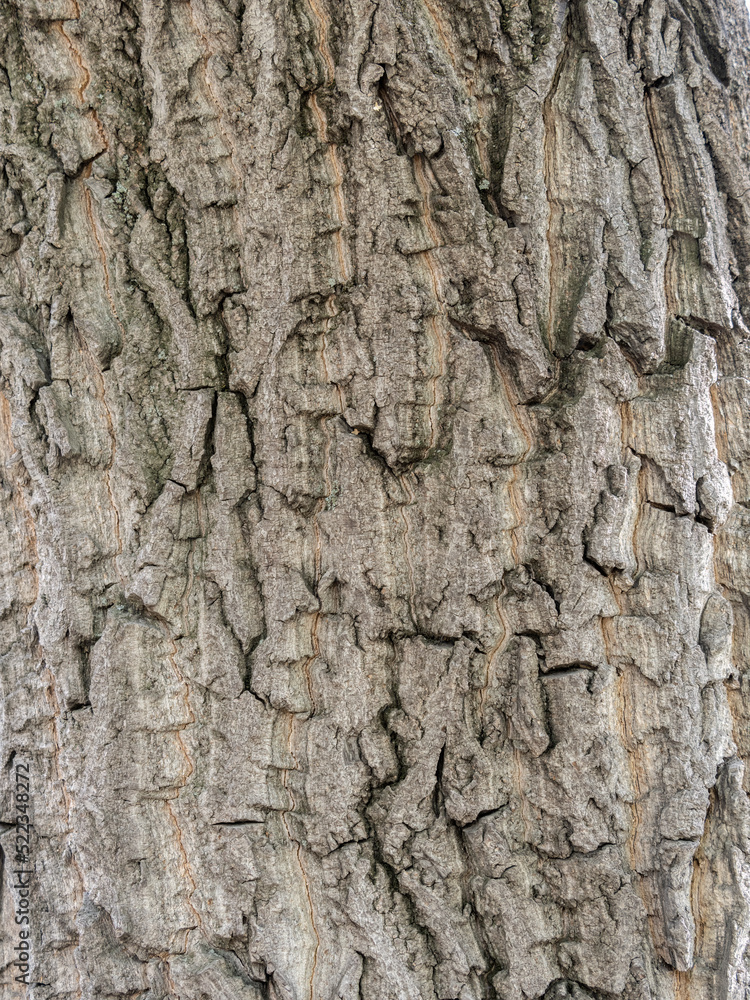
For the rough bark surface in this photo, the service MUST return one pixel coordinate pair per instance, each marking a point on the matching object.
(375, 499)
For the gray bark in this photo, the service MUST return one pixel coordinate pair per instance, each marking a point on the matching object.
(375, 508)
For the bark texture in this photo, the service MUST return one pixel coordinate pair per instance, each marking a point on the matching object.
(375, 500)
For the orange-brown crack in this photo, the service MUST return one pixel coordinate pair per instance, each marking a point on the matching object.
(522, 802)
(54, 702)
(553, 204)
(327, 492)
(635, 767)
(407, 547)
(436, 320)
(315, 641)
(226, 134)
(8, 450)
(322, 28)
(721, 429)
(86, 173)
(94, 368)
(442, 30)
(626, 431)
(298, 850)
(521, 420)
(332, 312)
(697, 887)
(738, 711)
(639, 783)
(328, 487)
(734, 697)
(83, 74)
(554, 215)
(98, 378)
(625, 428)
(682, 985)
(638, 517)
(626, 677)
(191, 564)
(337, 190)
(82, 70)
(327, 482)
(187, 871)
(504, 633)
(735, 700)
(517, 516)
(284, 813)
(164, 956)
(605, 624)
(323, 24)
(662, 160)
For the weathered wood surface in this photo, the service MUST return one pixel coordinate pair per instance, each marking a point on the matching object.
(375, 510)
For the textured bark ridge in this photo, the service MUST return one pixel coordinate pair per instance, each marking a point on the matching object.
(375, 509)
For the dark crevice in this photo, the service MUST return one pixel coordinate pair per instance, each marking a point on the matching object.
(247, 678)
(240, 822)
(437, 792)
(567, 670)
(707, 522)
(393, 127)
(592, 562)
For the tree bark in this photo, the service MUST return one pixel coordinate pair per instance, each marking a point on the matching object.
(375, 509)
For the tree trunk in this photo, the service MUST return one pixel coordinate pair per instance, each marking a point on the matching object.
(375, 499)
